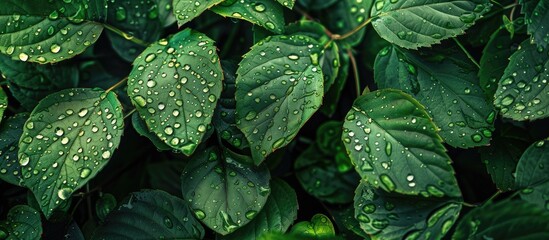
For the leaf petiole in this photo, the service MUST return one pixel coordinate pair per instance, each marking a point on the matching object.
(467, 53)
(358, 28)
(118, 84)
(125, 35)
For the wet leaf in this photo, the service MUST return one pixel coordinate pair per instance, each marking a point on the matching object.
(531, 174)
(316, 4)
(394, 145)
(279, 86)
(141, 128)
(265, 13)
(11, 130)
(3, 103)
(68, 139)
(187, 10)
(319, 227)
(175, 85)
(536, 13)
(150, 214)
(23, 222)
(104, 205)
(344, 16)
(332, 97)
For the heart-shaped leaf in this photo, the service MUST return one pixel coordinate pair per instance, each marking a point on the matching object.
(531, 174)
(23, 222)
(536, 13)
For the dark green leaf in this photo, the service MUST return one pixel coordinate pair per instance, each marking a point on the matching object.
(165, 12)
(413, 24)
(531, 174)
(448, 88)
(104, 206)
(223, 193)
(187, 10)
(319, 227)
(279, 213)
(3, 103)
(394, 145)
(22, 223)
(45, 32)
(346, 15)
(175, 85)
(385, 215)
(331, 98)
(150, 214)
(348, 225)
(504, 220)
(11, 130)
(141, 128)
(521, 94)
(266, 13)
(279, 86)
(317, 4)
(68, 139)
(287, 3)
(536, 13)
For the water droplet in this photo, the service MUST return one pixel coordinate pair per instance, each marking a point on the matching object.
(270, 25)
(369, 208)
(24, 161)
(259, 7)
(140, 101)
(106, 154)
(250, 116)
(251, 214)
(435, 191)
(476, 138)
(293, 57)
(388, 148)
(379, 4)
(23, 57)
(54, 48)
(150, 57)
(507, 100)
(85, 173)
(64, 193)
(168, 222)
(387, 182)
(468, 17)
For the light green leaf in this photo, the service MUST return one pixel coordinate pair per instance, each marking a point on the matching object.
(536, 13)
(521, 93)
(279, 213)
(319, 227)
(150, 214)
(11, 130)
(504, 220)
(317, 4)
(394, 145)
(287, 3)
(187, 10)
(3, 103)
(174, 86)
(385, 215)
(22, 223)
(265, 13)
(447, 85)
(47, 32)
(531, 174)
(165, 12)
(31, 82)
(279, 86)
(346, 15)
(414, 24)
(68, 139)
(141, 128)
(223, 193)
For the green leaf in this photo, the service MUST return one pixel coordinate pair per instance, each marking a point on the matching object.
(279, 213)
(287, 3)
(174, 86)
(104, 205)
(3, 103)
(394, 145)
(68, 139)
(165, 12)
(223, 193)
(397, 21)
(521, 90)
(141, 128)
(319, 227)
(331, 98)
(531, 174)
(23, 222)
(187, 10)
(504, 220)
(150, 214)
(316, 4)
(346, 15)
(279, 86)
(31, 82)
(536, 13)
(265, 13)
(385, 215)
(47, 32)
(347, 224)
(447, 87)
(11, 130)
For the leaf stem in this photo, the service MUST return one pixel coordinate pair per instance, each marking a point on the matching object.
(512, 12)
(126, 36)
(356, 29)
(493, 197)
(130, 113)
(118, 84)
(355, 71)
(467, 53)
(471, 205)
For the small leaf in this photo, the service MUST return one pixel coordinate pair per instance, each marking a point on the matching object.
(68, 139)
(3, 103)
(385, 215)
(150, 214)
(531, 174)
(11, 130)
(279, 86)
(279, 213)
(104, 206)
(223, 193)
(346, 15)
(397, 21)
(265, 13)
(394, 145)
(175, 85)
(141, 128)
(58, 30)
(504, 220)
(536, 13)
(23, 222)
(521, 91)
(319, 227)
(187, 10)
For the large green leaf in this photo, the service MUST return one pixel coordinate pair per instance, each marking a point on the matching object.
(521, 94)
(11, 130)
(447, 86)
(344, 16)
(265, 13)
(223, 193)
(141, 128)
(22, 223)
(421, 23)
(531, 174)
(175, 85)
(3, 103)
(385, 215)
(279, 86)
(279, 213)
(504, 220)
(150, 214)
(49, 31)
(187, 10)
(68, 139)
(394, 145)
(31, 82)
(536, 13)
